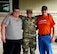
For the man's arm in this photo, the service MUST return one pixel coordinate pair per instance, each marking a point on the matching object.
(3, 38)
(53, 36)
(22, 17)
(36, 17)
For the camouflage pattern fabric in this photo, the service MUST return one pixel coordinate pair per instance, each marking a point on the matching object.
(29, 35)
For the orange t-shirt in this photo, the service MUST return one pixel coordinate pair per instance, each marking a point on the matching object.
(44, 24)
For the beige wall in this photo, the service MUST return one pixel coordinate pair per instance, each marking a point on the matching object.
(37, 4)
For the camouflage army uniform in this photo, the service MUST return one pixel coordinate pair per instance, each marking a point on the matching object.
(29, 35)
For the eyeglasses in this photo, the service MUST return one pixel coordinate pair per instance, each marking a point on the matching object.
(17, 11)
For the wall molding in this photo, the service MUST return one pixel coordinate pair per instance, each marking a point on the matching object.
(39, 12)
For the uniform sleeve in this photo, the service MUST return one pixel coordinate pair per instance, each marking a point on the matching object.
(6, 21)
(35, 17)
(36, 24)
(22, 17)
(52, 22)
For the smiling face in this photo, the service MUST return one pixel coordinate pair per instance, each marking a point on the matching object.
(29, 15)
(44, 12)
(16, 13)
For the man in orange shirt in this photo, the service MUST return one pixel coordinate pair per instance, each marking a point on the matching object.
(45, 23)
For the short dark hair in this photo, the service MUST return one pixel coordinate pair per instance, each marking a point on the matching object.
(15, 8)
(28, 11)
(44, 8)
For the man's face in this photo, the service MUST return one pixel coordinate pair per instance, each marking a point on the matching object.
(44, 12)
(16, 12)
(29, 15)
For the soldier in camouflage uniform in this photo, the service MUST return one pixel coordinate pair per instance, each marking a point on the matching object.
(29, 33)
